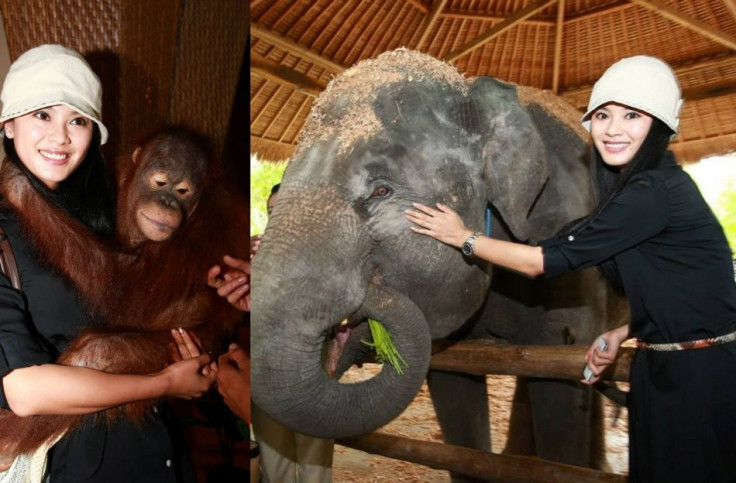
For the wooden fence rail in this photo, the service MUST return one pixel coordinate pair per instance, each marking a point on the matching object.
(476, 463)
(481, 358)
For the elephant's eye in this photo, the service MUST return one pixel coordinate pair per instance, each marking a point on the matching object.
(381, 192)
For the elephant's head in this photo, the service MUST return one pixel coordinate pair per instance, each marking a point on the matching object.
(398, 129)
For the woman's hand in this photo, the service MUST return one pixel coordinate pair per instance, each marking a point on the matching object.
(193, 372)
(443, 224)
(233, 284)
(187, 379)
(598, 360)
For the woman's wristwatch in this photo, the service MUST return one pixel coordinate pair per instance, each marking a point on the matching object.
(469, 244)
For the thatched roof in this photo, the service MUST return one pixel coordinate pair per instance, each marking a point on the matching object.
(297, 46)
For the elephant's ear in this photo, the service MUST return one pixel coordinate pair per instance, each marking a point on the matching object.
(514, 157)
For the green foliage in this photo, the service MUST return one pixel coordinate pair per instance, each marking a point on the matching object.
(725, 210)
(263, 176)
(716, 179)
(386, 351)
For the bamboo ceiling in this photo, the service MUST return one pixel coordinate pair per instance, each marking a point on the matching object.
(297, 46)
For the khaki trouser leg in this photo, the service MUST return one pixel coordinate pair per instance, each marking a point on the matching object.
(289, 457)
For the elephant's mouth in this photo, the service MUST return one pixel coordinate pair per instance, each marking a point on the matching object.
(336, 345)
(343, 346)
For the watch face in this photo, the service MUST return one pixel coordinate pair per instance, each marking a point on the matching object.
(469, 244)
(467, 249)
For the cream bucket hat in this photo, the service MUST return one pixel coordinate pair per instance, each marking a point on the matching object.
(48, 75)
(642, 82)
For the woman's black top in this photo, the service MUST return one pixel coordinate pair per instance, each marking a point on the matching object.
(35, 326)
(672, 254)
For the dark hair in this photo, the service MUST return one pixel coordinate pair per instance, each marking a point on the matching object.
(88, 194)
(608, 182)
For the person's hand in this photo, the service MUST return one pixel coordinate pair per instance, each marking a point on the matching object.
(192, 373)
(233, 381)
(442, 223)
(186, 345)
(598, 360)
(233, 284)
(186, 379)
(255, 245)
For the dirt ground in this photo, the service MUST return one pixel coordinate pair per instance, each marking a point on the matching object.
(418, 421)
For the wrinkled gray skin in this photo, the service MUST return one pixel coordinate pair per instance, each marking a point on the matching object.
(338, 245)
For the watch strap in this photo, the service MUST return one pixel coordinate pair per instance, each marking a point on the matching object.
(468, 245)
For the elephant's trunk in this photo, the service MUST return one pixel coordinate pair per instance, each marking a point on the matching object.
(290, 384)
(301, 292)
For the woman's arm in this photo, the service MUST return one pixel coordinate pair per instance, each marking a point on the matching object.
(445, 225)
(59, 389)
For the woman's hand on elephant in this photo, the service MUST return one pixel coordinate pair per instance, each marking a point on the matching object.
(443, 223)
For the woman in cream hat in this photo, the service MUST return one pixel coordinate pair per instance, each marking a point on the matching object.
(53, 130)
(655, 238)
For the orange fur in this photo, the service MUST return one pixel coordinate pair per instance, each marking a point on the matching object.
(140, 294)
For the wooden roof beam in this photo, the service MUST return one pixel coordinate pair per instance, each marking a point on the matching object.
(475, 16)
(418, 5)
(494, 18)
(498, 29)
(559, 27)
(283, 75)
(695, 149)
(699, 93)
(598, 11)
(433, 17)
(295, 48)
(722, 62)
(688, 22)
(709, 91)
(731, 5)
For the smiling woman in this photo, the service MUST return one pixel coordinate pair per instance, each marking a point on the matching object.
(51, 120)
(52, 141)
(618, 132)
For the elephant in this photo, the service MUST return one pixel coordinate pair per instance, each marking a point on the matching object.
(402, 128)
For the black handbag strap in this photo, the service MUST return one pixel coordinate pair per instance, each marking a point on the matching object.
(7, 260)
